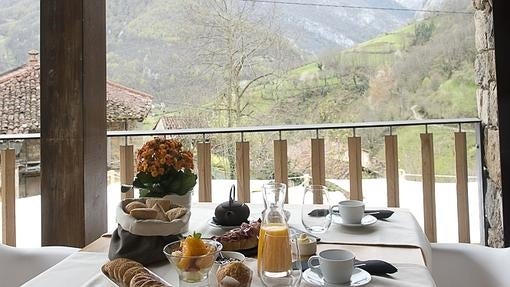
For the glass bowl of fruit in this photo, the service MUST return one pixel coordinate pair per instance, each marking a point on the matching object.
(193, 258)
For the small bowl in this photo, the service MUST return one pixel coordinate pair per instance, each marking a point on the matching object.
(307, 249)
(192, 269)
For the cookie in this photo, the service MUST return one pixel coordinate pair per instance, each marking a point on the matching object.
(118, 264)
(130, 273)
(139, 279)
(122, 268)
(106, 269)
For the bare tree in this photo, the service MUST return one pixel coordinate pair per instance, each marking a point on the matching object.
(238, 44)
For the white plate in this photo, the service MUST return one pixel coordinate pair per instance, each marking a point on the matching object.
(365, 221)
(359, 277)
(120, 284)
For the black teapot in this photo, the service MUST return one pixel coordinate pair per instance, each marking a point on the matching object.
(231, 212)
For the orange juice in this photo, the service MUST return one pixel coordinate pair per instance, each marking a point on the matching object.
(278, 248)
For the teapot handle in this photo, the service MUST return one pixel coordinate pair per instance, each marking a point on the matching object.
(232, 195)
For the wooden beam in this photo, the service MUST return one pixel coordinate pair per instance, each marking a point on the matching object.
(73, 121)
(462, 186)
(8, 195)
(204, 171)
(281, 165)
(127, 168)
(243, 171)
(355, 168)
(429, 182)
(392, 176)
(502, 58)
(318, 167)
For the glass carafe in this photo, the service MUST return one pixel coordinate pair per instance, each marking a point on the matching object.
(273, 219)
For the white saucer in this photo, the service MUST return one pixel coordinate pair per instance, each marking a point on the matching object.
(224, 227)
(365, 221)
(359, 277)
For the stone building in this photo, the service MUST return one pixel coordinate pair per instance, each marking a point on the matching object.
(126, 108)
(485, 73)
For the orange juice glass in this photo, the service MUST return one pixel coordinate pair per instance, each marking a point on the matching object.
(278, 247)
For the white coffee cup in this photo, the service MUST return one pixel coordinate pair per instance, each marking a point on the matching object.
(336, 265)
(351, 211)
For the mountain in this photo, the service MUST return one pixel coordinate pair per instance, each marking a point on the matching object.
(317, 29)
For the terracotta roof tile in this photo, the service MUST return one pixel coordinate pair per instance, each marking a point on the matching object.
(20, 95)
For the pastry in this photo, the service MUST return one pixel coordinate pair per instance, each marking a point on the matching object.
(135, 204)
(161, 212)
(234, 274)
(165, 203)
(175, 213)
(144, 213)
(241, 238)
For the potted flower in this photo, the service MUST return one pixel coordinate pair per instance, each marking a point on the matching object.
(164, 169)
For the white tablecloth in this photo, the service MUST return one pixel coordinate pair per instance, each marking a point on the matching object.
(83, 268)
(401, 229)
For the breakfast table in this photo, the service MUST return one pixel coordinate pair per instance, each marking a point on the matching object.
(398, 240)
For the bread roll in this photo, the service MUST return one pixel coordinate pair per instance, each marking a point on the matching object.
(237, 271)
(135, 204)
(175, 213)
(165, 203)
(161, 212)
(144, 213)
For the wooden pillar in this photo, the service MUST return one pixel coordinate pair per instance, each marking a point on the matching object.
(318, 167)
(429, 183)
(8, 180)
(355, 168)
(502, 64)
(73, 121)
(281, 165)
(392, 177)
(462, 186)
(127, 169)
(243, 170)
(204, 171)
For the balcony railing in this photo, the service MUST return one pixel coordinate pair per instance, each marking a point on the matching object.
(204, 137)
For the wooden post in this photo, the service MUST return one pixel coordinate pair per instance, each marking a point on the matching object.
(281, 168)
(355, 169)
(73, 121)
(204, 171)
(318, 167)
(462, 186)
(127, 168)
(392, 179)
(243, 170)
(428, 179)
(8, 179)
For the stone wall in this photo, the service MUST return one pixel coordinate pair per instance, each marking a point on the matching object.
(485, 72)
